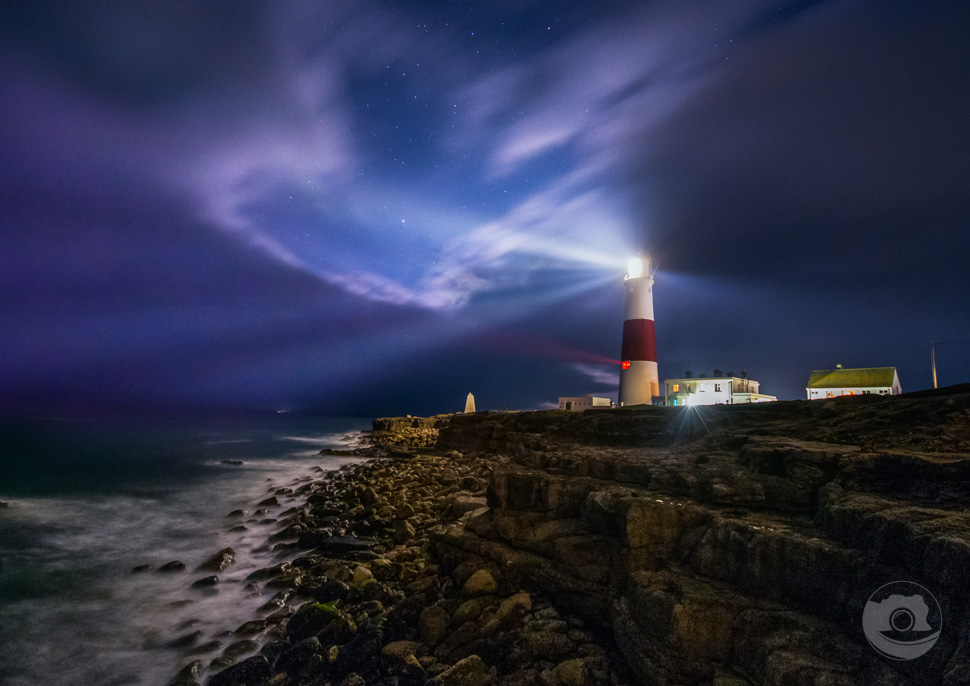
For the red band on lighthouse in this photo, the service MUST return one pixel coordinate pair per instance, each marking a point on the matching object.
(639, 340)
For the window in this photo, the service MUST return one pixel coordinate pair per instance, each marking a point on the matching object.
(676, 390)
(829, 394)
(717, 387)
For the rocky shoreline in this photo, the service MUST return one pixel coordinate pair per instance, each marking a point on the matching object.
(722, 546)
(369, 598)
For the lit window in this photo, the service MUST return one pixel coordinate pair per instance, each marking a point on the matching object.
(625, 365)
(676, 389)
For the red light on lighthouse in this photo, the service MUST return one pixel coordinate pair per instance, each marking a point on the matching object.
(625, 365)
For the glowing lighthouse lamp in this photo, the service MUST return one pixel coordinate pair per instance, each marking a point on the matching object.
(639, 380)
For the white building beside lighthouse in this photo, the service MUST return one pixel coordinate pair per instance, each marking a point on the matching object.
(714, 390)
(639, 377)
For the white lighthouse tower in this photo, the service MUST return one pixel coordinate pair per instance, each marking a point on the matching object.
(639, 379)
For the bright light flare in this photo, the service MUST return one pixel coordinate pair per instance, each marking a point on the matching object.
(634, 268)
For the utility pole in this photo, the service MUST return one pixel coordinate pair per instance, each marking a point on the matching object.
(933, 353)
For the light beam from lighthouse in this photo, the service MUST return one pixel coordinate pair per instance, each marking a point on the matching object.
(639, 377)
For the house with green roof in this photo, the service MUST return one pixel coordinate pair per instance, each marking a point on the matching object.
(831, 383)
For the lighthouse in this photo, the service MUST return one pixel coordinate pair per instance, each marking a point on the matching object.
(639, 380)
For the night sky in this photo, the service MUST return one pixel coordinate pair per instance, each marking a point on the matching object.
(370, 208)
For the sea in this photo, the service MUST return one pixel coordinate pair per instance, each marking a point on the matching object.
(88, 500)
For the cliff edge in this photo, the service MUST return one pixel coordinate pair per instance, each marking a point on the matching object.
(734, 545)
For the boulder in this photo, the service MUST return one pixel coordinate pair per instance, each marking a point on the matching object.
(411, 672)
(573, 673)
(207, 647)
(397, 652)
(296, 658)
(480, 583)
(268, 572)
(239, 648)
(403, 532)
(355, 653)
(218, 562)
(361, 576)
(492, 649)
(185, 641)
(205, 582)
(329, 590)
(189, 674)
(433, 625)
(546, 644)
(471, 610)
(470, 671)
(250, 672)
(338, 545)
(310, 620)
(514, 608)
(466, 503)
(250, 628)
(340, 630)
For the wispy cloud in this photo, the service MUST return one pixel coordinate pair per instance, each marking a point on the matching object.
(606, 375)
(622, 77)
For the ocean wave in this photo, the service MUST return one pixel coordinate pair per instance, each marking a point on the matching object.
(321, 439)
(73, 611)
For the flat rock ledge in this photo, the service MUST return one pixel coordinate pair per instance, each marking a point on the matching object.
(735, 545)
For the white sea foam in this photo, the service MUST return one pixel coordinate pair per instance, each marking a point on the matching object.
(90, 619)
(323, 440)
